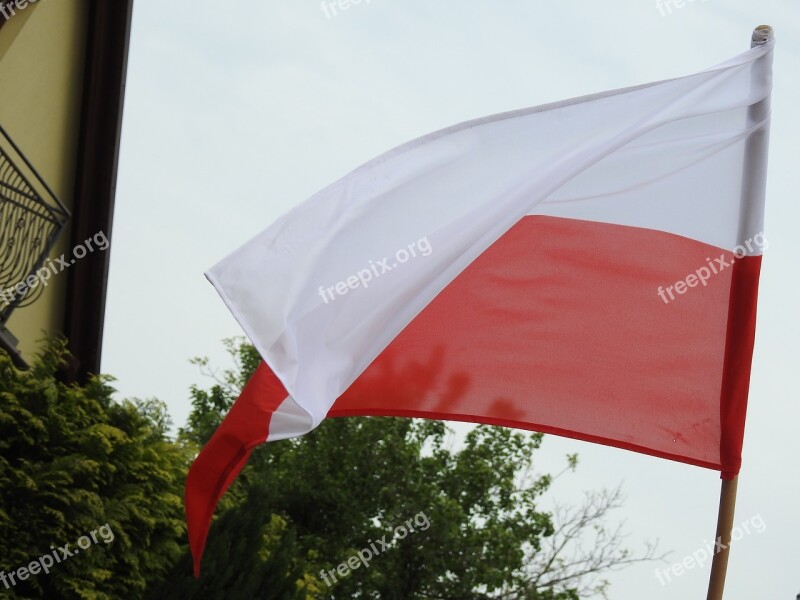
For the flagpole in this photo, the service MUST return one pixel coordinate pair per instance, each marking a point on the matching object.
(755, 149)
(722, 540)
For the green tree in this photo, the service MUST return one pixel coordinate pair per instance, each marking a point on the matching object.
(72, 460)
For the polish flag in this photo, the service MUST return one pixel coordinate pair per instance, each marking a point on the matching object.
(587, 268)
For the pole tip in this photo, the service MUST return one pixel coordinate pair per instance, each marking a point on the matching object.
(762, 34)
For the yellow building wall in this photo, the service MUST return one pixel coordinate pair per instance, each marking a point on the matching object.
(42, 51)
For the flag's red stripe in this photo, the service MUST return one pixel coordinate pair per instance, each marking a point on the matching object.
(559, 327)
(245, 426)
(738, 357)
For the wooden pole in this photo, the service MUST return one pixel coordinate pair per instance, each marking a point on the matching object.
(719, 565)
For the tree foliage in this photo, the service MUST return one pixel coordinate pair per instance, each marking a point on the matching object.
(71, 460)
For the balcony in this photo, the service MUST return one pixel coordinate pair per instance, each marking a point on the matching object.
(31, 219)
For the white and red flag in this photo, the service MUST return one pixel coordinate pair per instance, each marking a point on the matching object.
(587, 268)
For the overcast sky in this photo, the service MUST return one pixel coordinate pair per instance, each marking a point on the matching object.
(237, 111)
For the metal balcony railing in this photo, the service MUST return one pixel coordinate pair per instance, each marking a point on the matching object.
(31, 219)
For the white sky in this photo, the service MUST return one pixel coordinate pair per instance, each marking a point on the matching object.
(237, 111)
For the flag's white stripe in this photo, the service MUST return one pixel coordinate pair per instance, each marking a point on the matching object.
(462, 188)
(701, 210)
(289, 420)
